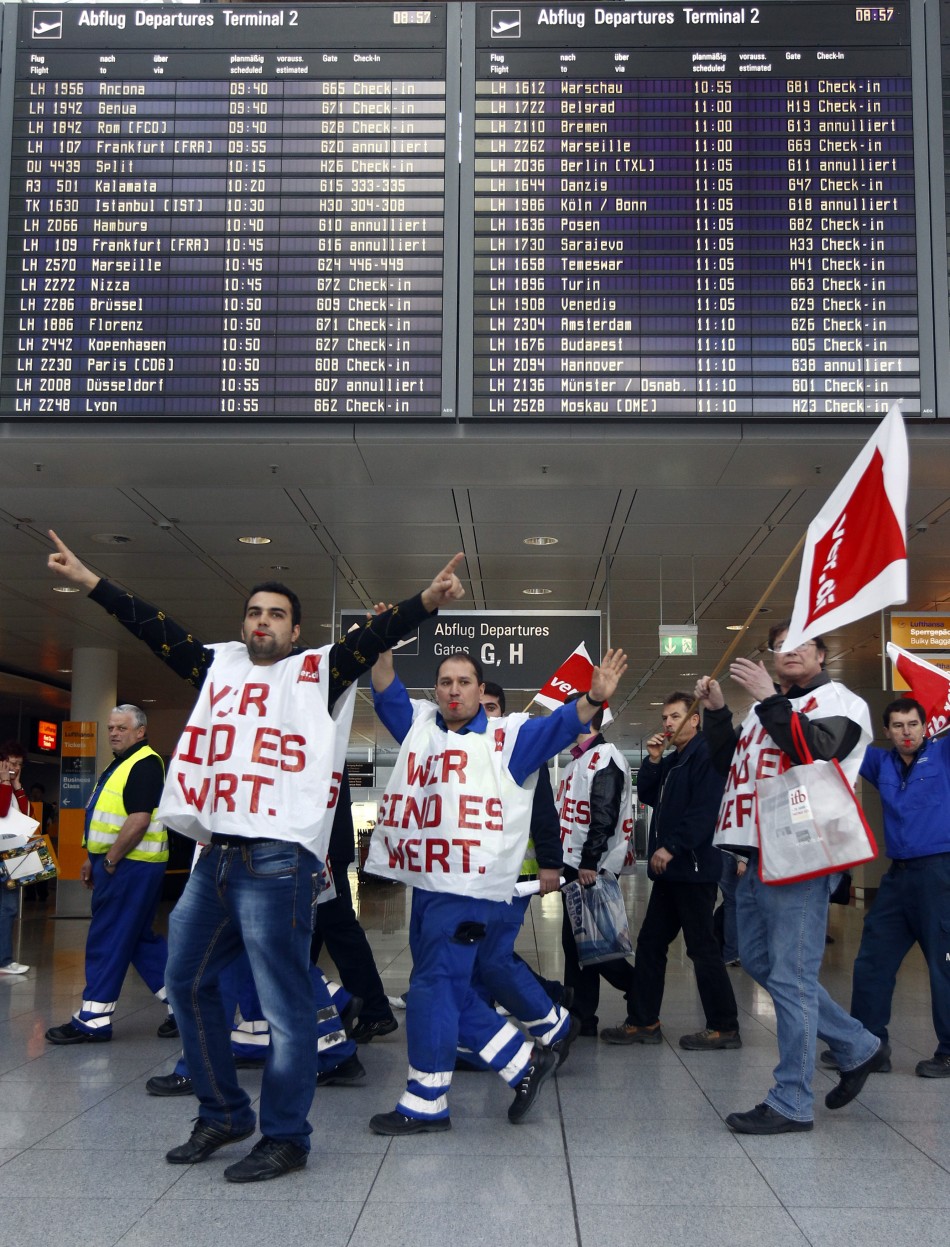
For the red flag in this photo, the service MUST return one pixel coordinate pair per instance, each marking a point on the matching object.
(573, 676)
(928, 684)
(855, 558)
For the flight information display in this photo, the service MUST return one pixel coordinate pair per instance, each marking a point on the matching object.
(231, 211)
(694, 211)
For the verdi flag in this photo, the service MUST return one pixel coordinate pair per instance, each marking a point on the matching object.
(928, 684)
(855, 557)
(573, 676)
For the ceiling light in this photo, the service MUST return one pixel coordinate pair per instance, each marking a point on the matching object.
(656, 703)
(534, 593)
(540, 541)
(149, 701)
(734, 627)
(65, 589)
(280, 567)
(254, 541)
(64, 670)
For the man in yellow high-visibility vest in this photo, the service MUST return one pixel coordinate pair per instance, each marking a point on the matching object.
(128, 850)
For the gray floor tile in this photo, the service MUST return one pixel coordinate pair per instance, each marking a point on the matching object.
(350, 1176)
(145, 1173)
(874, 1227)
(634, 1225)
(854, 1183)
(713, 1182)
(480, 1224)
(42, 1218)
(506, 1181)
(213, 1222)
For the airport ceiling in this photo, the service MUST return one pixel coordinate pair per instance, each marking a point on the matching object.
(683, 516)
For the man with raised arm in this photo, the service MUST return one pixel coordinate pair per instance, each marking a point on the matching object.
(454, 824)
(255, 778)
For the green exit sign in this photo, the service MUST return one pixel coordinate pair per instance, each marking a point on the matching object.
(679, 640)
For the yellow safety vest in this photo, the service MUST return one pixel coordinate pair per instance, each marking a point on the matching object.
(110, 813)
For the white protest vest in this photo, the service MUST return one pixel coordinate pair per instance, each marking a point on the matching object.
(757, 756)
(452, 819)
(573, 803)
(261, 755)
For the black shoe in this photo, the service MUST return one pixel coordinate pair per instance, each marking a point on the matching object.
(69, 1034)
(935, 1067)
(562, 1046)
(168, 1029)
(345, 1074)
(268, 1158)
(763, 1119)
(249, 1062)
(205, 1139)
(396, 1123)
(543, 1064)
(363, 1032)
(850, 1083)
(828, 1060)
(169, 1084)
(349, 1014)
(588, 1029)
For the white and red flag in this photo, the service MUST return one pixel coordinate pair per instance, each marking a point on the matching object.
(573, 676)
(929, 685)
(855, 557)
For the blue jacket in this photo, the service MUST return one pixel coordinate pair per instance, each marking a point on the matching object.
(684, 790)
(916, 799)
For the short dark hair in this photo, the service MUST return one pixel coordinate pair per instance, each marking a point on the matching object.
(275, 586)
(496, 691)
(12, 749)
(903, 705)
(679, 695)
(460, 653)
(782, 625)
(594, 724)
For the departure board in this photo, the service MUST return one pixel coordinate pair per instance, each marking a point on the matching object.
(232, 212)
(694, 210)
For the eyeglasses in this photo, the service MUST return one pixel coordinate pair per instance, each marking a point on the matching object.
(780, 648)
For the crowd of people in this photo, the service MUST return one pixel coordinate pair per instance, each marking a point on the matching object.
(258, 781)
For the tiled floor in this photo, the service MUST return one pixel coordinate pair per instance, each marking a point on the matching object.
(626, 1147)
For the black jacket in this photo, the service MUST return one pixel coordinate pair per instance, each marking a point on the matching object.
(684, 790)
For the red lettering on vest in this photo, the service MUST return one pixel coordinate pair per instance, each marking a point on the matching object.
(225, 786)
(257, 782)
(769, 763)
(336, 779)
(499, 739)
(417, 776)
(216, 697)
(466, 846)
(396, 859)
(220, 750)
(437, 851)
(494, 817)
(412, 856)
(454, 760)
(295, 759)
(195, 797)
(262, 745)
(592, 765)
(470, 813)
(254, 695)
(190, 738)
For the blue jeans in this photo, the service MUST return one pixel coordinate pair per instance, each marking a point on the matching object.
(912, 907)
(781, 943)
(257, 897)
(728, 883)
(9, 908)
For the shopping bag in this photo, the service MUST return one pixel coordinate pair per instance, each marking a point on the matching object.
(809, 821)
(35, 862)
(598, 919)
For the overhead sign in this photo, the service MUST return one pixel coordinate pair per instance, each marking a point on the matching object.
(517, 649)
(679, 639)
(361, 774)
(922, 631)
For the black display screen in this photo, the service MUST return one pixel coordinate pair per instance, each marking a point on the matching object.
(234, 211)
(694, 210)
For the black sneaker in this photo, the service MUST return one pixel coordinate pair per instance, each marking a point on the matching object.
(169, 1084)
(936, 1067)
(562, 1046)
(543, 1064)
(70, 1034)
(396, 1124)
(346, 1074)
(206, 1138)
(268, 1158)
(363, 1032)
(168, 1029)
(851, 1082)
(763, 1119)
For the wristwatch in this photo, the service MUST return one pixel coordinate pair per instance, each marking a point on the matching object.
(109, 865)
(598, 704)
